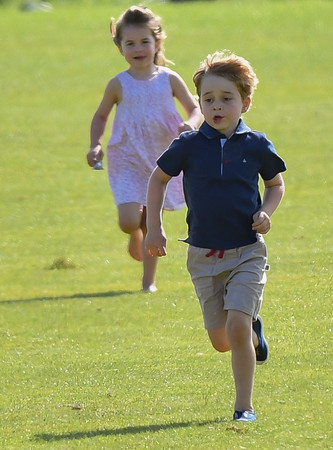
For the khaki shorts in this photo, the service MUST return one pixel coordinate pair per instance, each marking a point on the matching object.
(235, 281)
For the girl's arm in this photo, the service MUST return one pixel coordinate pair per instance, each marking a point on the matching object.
(155, 240)
(112, 95)
(274, 190)
(186, 99)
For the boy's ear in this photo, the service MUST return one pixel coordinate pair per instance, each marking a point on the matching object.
(246, 104)
(197, 98)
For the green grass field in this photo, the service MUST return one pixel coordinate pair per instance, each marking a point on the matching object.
(87, 360)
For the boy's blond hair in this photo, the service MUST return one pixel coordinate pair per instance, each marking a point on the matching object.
(228, 65)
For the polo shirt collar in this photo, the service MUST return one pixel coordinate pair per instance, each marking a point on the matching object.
(210, 132)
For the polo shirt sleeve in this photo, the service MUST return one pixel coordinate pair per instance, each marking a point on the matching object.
(271, 162)
(172, 160)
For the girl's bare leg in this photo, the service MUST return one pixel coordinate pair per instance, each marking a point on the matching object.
(149, 262)
(135, 245)
(130, 216)
(149, 271)
(132, 220)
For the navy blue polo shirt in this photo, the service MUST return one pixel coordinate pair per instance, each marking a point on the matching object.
(220, 179)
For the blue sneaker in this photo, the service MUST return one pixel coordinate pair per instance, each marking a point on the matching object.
(244, 416)
(262, 349)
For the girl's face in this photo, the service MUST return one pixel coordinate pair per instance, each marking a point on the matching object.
(221, 103)
(138, 46)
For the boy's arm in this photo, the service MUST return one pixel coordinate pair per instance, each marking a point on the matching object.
(155, 240)
(274, 190)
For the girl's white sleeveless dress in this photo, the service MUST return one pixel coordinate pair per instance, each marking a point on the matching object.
(145, 123)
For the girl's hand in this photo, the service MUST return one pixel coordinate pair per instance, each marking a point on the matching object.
(95, 154)
(184, 126)
(261, 222)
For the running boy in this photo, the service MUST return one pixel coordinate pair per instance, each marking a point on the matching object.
(221, 163)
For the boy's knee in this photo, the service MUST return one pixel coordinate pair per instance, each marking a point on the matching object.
(219, 340)
(239, 329)
(221, 347)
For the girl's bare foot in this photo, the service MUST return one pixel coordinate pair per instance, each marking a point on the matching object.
(151, 288)
(135, 245)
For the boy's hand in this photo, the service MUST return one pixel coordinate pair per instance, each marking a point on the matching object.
(95, 154)
(155, 244)
(261, 222)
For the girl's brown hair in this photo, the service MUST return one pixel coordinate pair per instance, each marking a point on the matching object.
(228, 65)
(141, 16)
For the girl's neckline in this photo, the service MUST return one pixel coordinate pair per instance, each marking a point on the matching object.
(150, 77)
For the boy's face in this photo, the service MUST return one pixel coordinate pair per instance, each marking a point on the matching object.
(221, 103)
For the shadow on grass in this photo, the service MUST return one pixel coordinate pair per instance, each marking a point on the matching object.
(123, 431)
(71, 297)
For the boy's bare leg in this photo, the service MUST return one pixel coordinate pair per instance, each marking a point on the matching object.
(238, 337)
(239, 334)
(219, 338)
